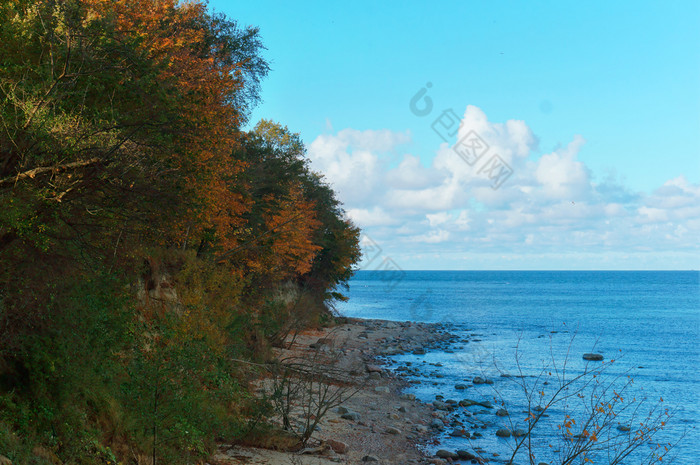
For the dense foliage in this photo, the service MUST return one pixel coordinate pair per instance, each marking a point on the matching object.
(146, 241)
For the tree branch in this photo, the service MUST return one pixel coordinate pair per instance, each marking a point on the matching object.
(49, 169)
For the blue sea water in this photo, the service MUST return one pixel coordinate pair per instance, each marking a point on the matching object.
(648, 321)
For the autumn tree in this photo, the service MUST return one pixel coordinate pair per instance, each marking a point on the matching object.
(125, 171)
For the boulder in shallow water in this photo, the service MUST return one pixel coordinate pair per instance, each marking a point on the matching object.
(503, 433)
(465, 455)
(460, 433)
(446, 454)
(593, 357)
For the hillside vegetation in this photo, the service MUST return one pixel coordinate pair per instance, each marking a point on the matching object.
(147, 243)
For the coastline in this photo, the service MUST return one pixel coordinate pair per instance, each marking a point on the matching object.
(383, 426)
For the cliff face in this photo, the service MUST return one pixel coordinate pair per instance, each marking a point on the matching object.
(156, 284)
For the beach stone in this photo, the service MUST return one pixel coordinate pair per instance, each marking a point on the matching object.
(501, 412)
(421, 428)
(354, 416)
(392, 430)
(436, 462)
(373, 369)
(370, 458)
(419, 351)
(383, 389)
(460, 433)
(339, 447)
(593, 357)
(375, 375)
(503, 433)
(478, 380)
(518, 433)
(441, 405)
(342, 410)
(623, 428)
(402, 409)
(437, 424)
(446, 454)
(465, 455)
(460, 386)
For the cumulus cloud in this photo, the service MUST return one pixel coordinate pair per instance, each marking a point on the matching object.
(443, 204)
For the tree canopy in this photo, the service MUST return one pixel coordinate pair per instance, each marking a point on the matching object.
(141, 227)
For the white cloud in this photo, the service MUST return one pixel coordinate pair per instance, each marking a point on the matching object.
(561, 175)
(549, 205)
(376, 216)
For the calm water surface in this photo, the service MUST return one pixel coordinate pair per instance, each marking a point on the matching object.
(648, 321)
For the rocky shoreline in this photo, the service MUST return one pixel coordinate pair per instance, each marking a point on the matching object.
(379, 423)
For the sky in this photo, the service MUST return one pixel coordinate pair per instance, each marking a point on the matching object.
(496, 135)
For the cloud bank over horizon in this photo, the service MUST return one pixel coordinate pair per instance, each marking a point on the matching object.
(550, 212)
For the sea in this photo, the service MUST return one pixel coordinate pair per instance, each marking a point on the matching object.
(526, 331)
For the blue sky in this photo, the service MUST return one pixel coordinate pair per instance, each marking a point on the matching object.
(593, 106)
